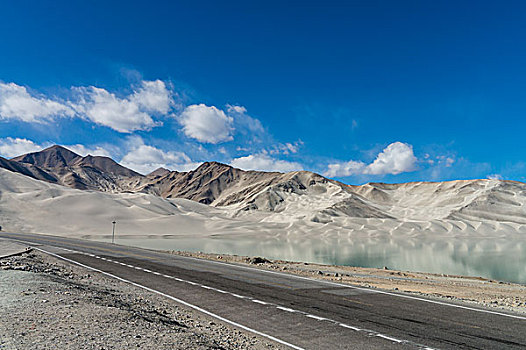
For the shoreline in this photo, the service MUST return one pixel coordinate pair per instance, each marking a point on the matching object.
(464, 290)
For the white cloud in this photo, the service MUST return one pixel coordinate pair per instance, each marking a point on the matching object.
(236, 109)
(345, 169)
(84, 151)
(17, 103)
(12, 147)
(264, 162)
(145, 159)
(206, 124)
(396, 158)
(126, 114)
(244, 121)
(495, 177)
(286, 148)
(153, 96)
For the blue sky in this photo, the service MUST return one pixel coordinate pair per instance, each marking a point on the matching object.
(358, 90)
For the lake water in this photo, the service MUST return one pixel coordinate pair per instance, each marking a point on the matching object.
(498, 259)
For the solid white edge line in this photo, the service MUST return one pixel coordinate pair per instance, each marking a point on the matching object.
(235, 324)
(372, 333)
(359, 288)
(334, 284)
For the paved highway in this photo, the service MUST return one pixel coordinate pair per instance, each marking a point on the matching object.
(299, 312)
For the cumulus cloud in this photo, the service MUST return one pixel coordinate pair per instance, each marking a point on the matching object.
(264, 162)
(123, 114)
(206, 124)
(17, 103)
(12, 147)
(396, 158)
(153, 96)
(127, 114)
(145, 159)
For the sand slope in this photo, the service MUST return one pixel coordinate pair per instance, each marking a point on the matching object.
(300, 203)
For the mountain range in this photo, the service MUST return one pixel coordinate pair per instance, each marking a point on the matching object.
(298, 200)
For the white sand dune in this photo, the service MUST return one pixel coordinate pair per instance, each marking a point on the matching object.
(300, 204)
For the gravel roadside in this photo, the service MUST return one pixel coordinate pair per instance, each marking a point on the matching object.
(46, 303)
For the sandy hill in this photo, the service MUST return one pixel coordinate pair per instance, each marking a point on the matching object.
(299, 201)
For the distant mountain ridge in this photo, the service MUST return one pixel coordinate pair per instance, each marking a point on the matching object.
(301, 195)
(62, 166)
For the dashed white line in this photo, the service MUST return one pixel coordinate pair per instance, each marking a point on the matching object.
(285, 309)
(350, 327)
(389, 338)
(289, 275)
(319, 318)
(235, 324)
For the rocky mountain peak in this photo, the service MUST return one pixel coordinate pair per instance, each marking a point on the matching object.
(51, 157)
(159, 172)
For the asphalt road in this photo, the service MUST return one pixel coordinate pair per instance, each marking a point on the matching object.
(300, 312)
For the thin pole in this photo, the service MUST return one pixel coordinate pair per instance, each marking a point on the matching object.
(113, 233)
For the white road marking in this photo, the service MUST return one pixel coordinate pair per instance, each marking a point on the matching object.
(317, 317)
(369, 332)
(235, 324)
(389, 338)
(373, 333)
(335, 284)
(359, 288)
(285, 309)
(350, 327)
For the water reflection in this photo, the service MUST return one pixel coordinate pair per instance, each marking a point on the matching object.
(498, 259)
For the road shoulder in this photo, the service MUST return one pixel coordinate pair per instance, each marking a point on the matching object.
(47, 303)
